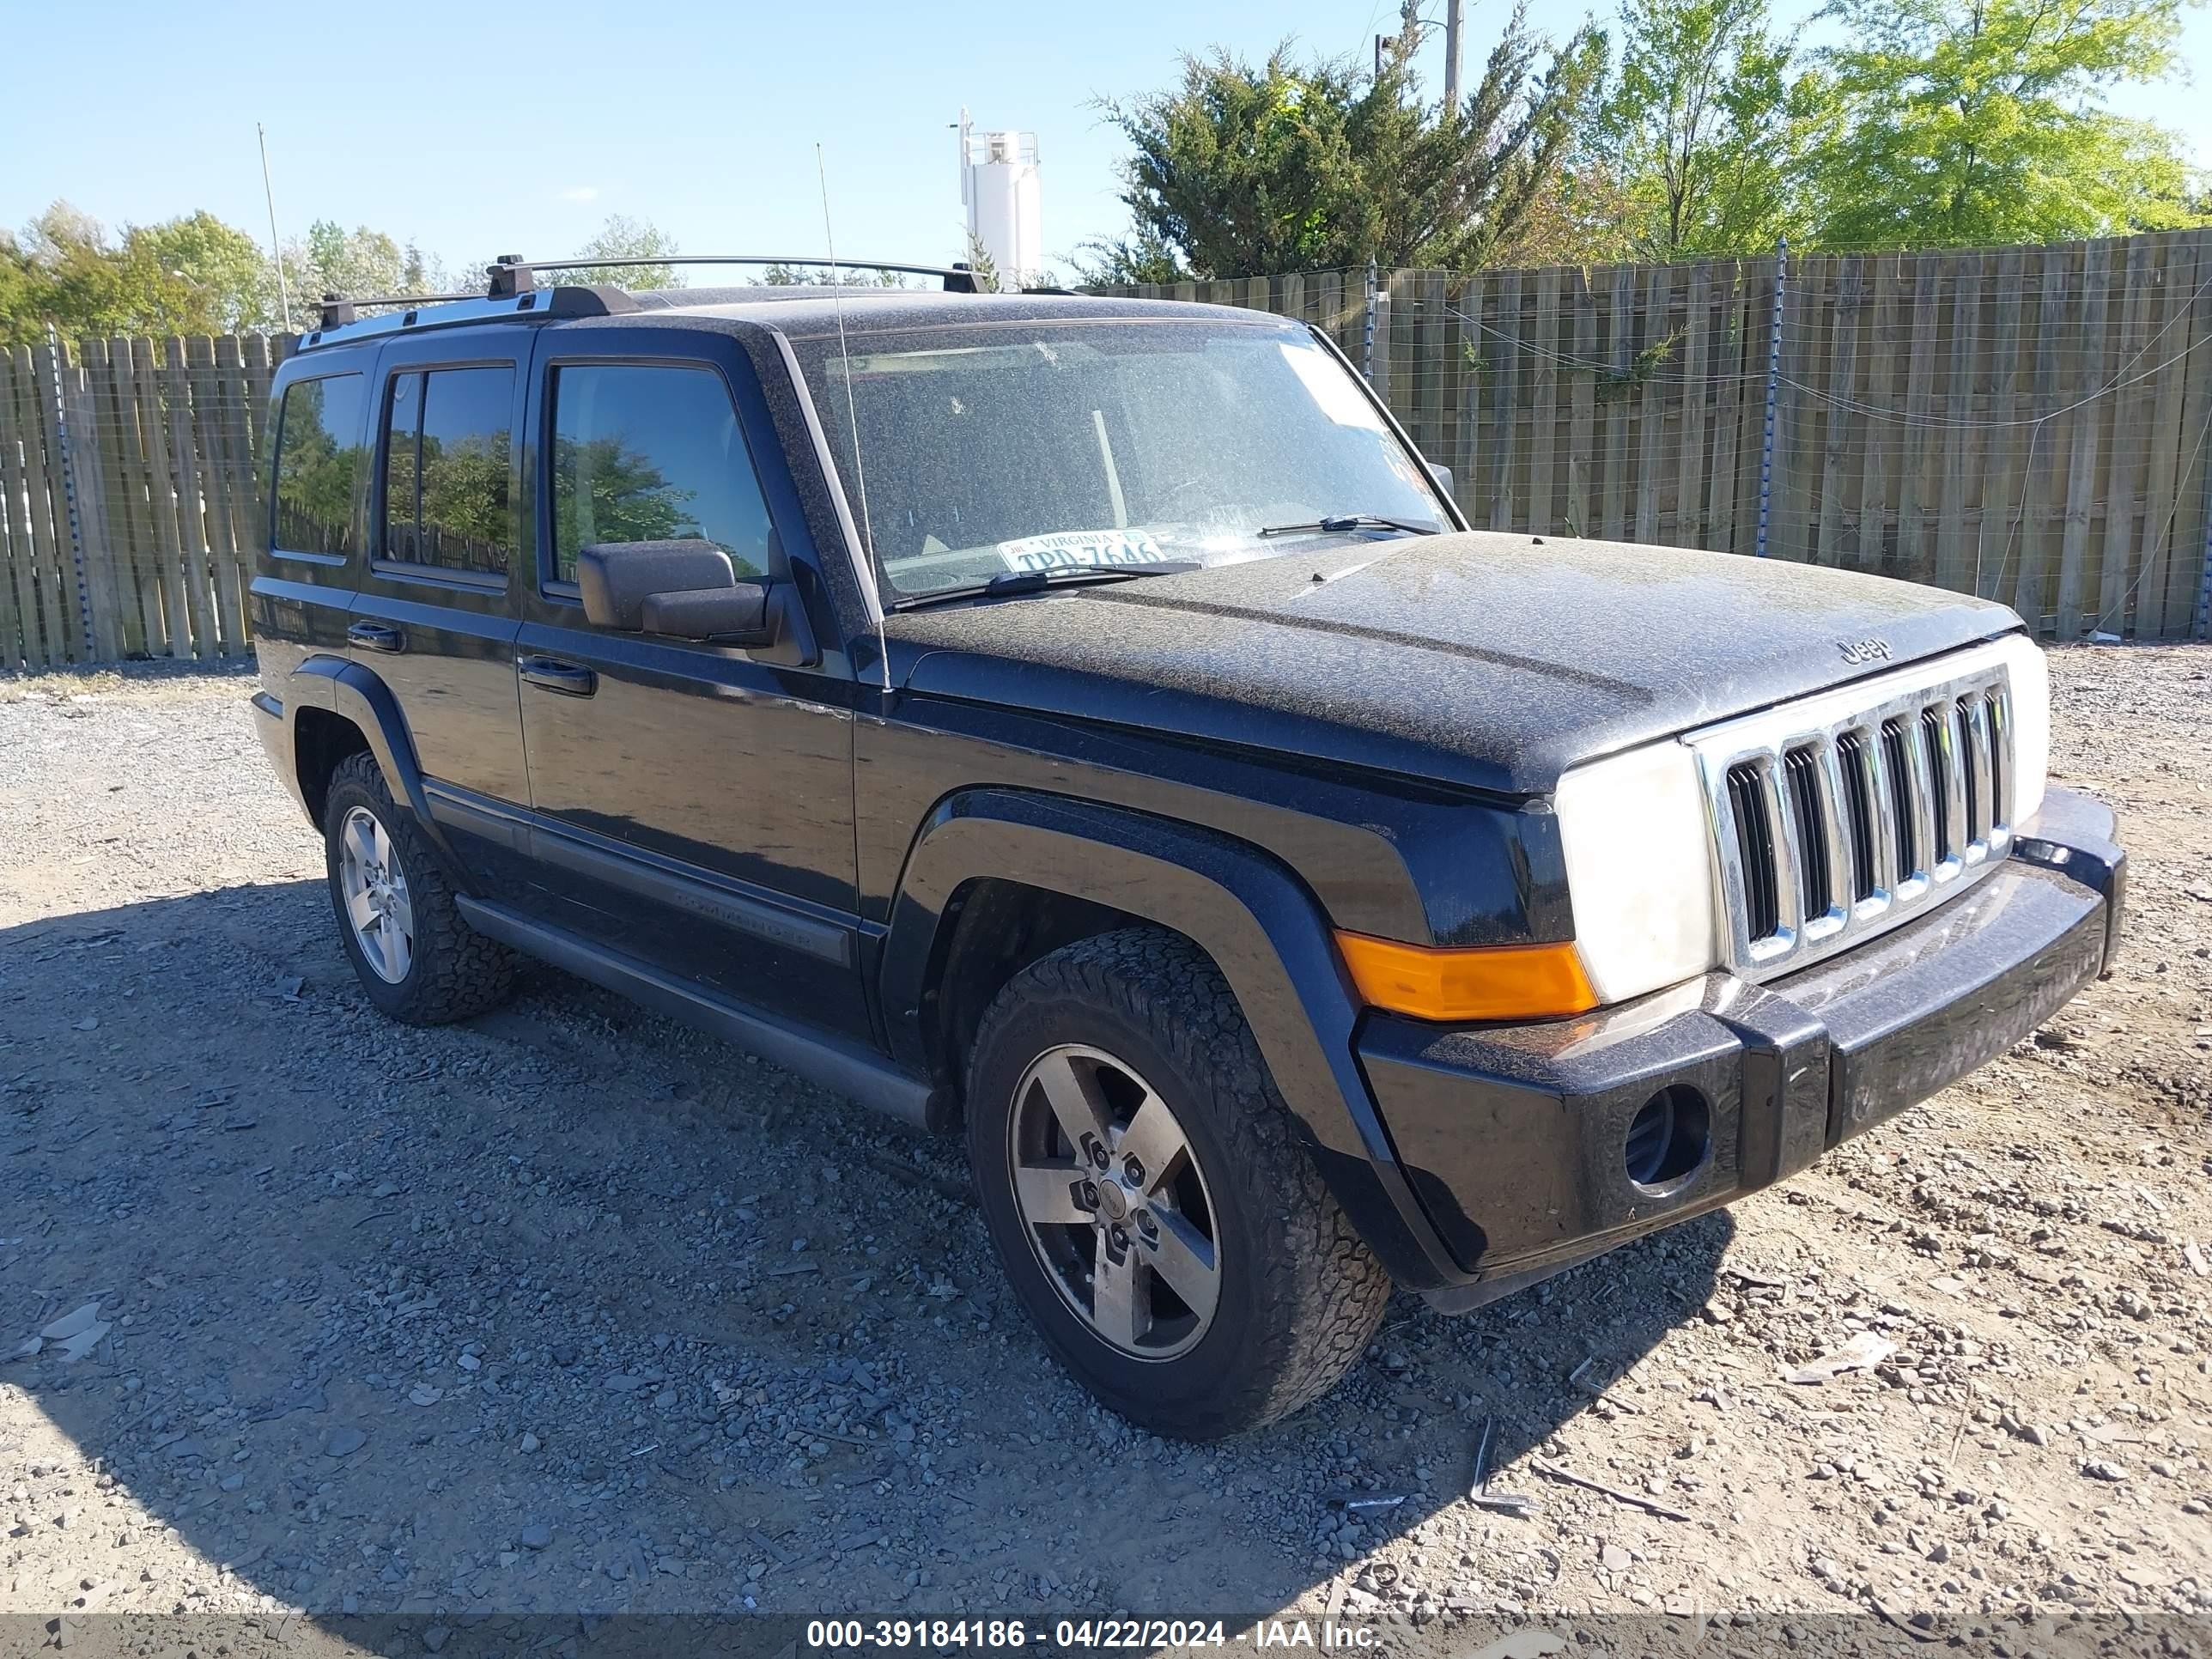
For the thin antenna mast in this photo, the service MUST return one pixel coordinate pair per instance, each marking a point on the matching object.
(276, 248)
(852, 411)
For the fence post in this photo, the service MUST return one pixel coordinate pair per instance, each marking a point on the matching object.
(1773, 376)
(1379, 376)
(2203, 627)
(68, 494)
(1367, 343)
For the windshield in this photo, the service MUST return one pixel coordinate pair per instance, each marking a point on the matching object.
(996, 447)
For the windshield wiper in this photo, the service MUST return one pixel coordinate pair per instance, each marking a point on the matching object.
(1031, 581)
(1345, 521)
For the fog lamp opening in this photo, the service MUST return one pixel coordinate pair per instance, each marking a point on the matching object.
(1668, 1138)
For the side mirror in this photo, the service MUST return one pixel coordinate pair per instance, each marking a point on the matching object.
(686, 589)
(1441, 476)
(736, 614)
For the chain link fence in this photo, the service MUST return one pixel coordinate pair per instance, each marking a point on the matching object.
(2025, 423)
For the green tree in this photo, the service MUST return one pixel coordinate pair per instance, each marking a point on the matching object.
(981, 262)
(190, 274)
(359, 264)
(1988, 121)
(1583, 215)
(624, 238)
(1241, 172)
(1707, 130)
(223, 270)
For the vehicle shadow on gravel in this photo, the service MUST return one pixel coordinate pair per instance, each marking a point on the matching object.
(567, 1309)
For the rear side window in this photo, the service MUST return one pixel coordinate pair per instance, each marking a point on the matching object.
(319, 461)
(448, 499)
(644, 453)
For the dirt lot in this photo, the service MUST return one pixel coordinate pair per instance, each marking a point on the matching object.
(568, 1310)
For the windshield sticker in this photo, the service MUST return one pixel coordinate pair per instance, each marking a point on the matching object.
(1070, 549)
(1334, 389)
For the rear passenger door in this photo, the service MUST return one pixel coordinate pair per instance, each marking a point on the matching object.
(435, 616)
(694, 804)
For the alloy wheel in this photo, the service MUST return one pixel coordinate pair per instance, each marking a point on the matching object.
(1113, 1202)
(375, 887)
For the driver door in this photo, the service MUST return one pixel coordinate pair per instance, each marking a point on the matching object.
(692, 806)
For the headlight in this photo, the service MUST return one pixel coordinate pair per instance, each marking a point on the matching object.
(2030, 674)
(1639, 869)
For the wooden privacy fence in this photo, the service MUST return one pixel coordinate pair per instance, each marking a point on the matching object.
(131, 509)
(2027, 424)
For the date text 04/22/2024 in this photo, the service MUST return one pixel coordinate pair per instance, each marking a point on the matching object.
(831, 1635)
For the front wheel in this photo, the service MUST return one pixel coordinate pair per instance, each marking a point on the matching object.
(418, 960)
(1145, 1187)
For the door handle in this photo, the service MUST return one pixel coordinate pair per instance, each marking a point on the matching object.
(570, 679)
(375, 636)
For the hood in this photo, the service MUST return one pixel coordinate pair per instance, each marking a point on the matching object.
(1491, 660)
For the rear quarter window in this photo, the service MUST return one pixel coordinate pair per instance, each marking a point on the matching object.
(319, 462)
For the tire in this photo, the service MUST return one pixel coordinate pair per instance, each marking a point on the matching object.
(1295, 1296)
(446, 971)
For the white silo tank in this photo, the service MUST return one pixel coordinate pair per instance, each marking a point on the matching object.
(999, 185)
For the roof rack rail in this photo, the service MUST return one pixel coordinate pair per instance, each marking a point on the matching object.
(512, 291)
(341, 321)
(338, 309)
(518, 273)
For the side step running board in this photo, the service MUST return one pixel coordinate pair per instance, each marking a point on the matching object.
(842, 1068)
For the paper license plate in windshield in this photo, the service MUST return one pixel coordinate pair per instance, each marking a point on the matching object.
(1075, 550)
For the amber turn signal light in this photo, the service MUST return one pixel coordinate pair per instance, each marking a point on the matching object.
(1498, 981)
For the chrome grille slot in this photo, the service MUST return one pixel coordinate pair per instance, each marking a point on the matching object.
(2000, 719)
(1755, 833)
(1857, 769)
(1974, 741)
(1801, 769)
(1897, 762)
(1845, 814)
(1936, 738)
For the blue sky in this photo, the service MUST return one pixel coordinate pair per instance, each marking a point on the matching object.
(478, 129)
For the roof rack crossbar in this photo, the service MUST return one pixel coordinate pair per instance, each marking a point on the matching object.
(958, 278)
(403, 299)
(338, 309)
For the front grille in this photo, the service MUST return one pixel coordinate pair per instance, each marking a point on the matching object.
(1841, 816)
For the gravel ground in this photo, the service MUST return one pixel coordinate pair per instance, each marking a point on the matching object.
(570, 1310)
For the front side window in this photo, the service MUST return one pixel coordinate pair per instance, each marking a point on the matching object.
(318, 464)
(985, 448)
(448, 498)
(643, 452)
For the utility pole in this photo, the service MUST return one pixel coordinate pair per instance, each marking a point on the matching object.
(1454, 33)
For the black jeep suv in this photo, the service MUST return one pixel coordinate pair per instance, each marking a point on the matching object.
(1091, 724)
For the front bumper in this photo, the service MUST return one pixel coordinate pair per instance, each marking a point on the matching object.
(1513, 1139)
